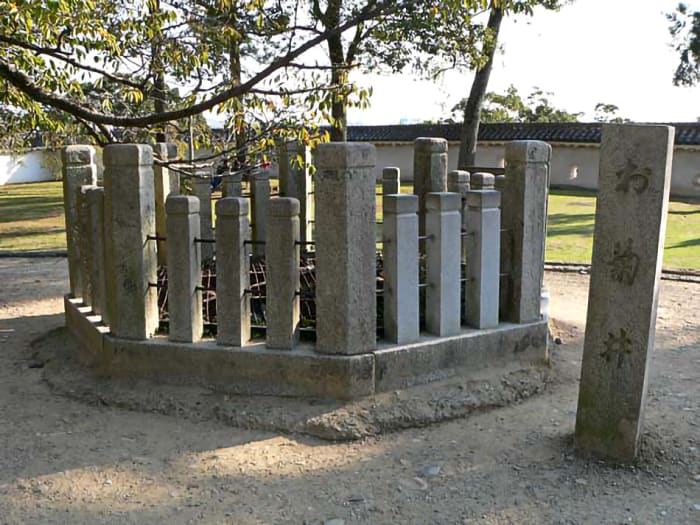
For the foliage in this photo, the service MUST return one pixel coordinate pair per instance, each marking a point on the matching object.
(608, 113)
(684, 26)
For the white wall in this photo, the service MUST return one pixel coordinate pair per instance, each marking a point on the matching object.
(23, 167)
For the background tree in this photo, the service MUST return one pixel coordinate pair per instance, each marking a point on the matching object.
(685, 31)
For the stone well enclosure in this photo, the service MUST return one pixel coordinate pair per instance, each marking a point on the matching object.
(461, 270)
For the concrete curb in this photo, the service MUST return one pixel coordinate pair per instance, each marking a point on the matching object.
(32, 255)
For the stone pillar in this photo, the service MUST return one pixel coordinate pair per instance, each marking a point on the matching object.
(260, 198)
(232, 272)
(78, 169)
(631, 211)
(345, 195)
(525, 219)
(96, 240)
(85, 251)
(132, 305)
(184, 269)
(282, 266)
(443, 223)
(429, 172)
(167, 182)
(295, 182)
(458, 182)
(483, 239)
(232, 185)
(401, 321)
(391, 181)
(202, 190)
(500, 183)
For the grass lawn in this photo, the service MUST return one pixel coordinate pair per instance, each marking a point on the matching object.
(31, 219)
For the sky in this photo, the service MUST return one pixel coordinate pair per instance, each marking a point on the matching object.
(611, 51)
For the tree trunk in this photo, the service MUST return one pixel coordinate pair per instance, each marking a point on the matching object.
(159, 88)
(472, 111)
(240, 131)
(339, 74)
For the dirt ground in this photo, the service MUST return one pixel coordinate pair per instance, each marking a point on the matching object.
(71, 459)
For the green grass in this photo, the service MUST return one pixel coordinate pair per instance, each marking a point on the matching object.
(31, 219)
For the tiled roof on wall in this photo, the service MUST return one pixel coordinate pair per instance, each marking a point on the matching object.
(687, 133)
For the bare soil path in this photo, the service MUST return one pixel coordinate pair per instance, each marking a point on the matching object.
(65, 461)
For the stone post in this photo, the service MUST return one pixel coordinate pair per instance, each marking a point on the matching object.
(260, 198)
(132, 305)
(401, 321)
(96, 240)
(631, 212)
(295, 182)
(167, 182)
(79, 169)
(443, 223)
(232, 272)
(429, 172)
(85, 250)
(458, 182)
(202, 190)
(483, 239)
(282, 262)
(184, 269)
(346, 303)
(525, 220)
(391, 181)
(232, 185)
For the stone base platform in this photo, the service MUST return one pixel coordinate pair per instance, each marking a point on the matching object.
(302, 372)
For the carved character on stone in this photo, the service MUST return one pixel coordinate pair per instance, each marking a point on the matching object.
(624, 264)
(632, 177)
(616, 347)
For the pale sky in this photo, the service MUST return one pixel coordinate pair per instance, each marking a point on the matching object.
(611, 51)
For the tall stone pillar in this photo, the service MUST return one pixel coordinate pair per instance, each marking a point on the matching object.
(132, 305)
(167, 182)
(96, 240)
(202, 190)
(78, 169)
(232, 272)
(282, 263)
(232, 185)
(443, 223)
(483, 240)
(525, 219)
(345, 248)
(429, 172)
(184, 269)
(83, 209)
(401, 321)
(630, 224)
(295, 182)
(260, 198)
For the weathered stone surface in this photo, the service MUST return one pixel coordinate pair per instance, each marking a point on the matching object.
(458, 181)
(282, 273)
(232, 270)
(345, 248)
(232, 185)
(202, 190)
(400, 228)
(525, 219)
(429, 172)
(96, 241)
(167, 182)
(83, 210)
(631, 211)
(443, 227)
(260, 197)
(391, 180)
(78, 169)
(132, 305)
(184, 269)
(295, 182)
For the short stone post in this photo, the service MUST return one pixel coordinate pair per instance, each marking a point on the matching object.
(85, 250)
(96, 243)
(346, 303)
(184, 269)
(232, 185)
(443, 223)
(79, 169)
(483, 240)
(282, 264)
(631, 212)
(295, 182)
(167, 182)
(391, 181)
(232, 272)
(202, 190)
(260, 198)
(132, 304)
(401, 308)
(525, 220)
(429, 172)
(458, 182)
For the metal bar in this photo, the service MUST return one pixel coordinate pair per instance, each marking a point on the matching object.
(304, 243)
(156, 285)
(253, 242)
(156, 238)
(426, 237)
(205, 288)
(205, 241)
(468, 234)
(423, 285)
